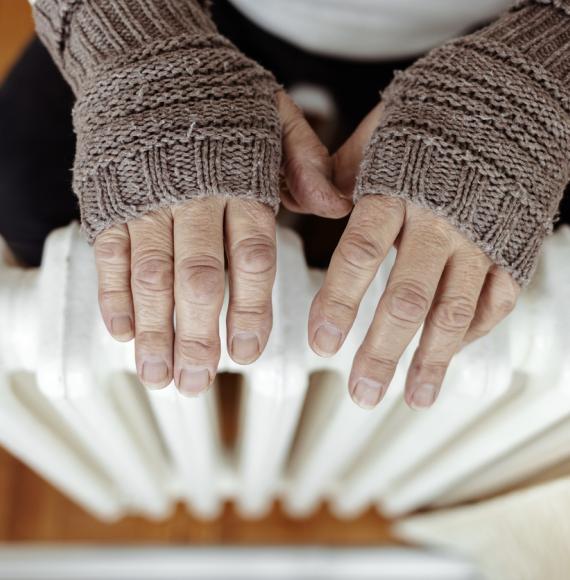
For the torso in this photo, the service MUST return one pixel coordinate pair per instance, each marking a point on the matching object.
(369, 29)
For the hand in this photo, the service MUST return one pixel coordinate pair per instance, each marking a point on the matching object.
(440, 279)
(174, 257)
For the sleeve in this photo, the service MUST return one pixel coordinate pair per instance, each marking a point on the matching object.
(166, 108)
(478, 131)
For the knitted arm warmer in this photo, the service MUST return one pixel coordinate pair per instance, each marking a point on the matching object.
(479, 132)
(166, 108)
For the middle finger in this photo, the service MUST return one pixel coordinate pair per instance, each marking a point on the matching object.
(151, 282)
(446, 325)
(199, 292)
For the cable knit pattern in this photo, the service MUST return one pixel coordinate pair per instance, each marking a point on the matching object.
(479, 132)
(167, 109)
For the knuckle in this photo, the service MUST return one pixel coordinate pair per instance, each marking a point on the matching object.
(153, 272)
(481, 261)
(113, 299)
(477, 332)
(295, 122)
(113, 251)
(201, 278)
(394, 204)
(453, 314)
(306, 184)
(151, 340)
(338, 308)
(257, 212)
(254, 255)
(300, 181)
(430, 364)
(359, 251)
(253, 311)
(293, 169)
(390, 207)
(314, 197)
(439, 234)
(408, 302)
(155, 220)
(431, 230)
(471, 256)
(506, 301)
(382, 364)
(198, 348)
(506, 306)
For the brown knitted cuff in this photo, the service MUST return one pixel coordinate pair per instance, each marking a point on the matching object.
(479, 132)
(167, 109)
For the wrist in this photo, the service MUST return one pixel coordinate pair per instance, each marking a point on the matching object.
(479, 132)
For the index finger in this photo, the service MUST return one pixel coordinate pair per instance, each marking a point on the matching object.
(369, 235)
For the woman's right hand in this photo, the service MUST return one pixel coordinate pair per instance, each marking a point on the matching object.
(175, 257)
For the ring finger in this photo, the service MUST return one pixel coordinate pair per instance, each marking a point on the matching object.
(151, 282)
(250, 245)
(445, 326)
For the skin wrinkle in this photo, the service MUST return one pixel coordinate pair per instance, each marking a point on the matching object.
(416, 119)
(228, 145)
(465, 167)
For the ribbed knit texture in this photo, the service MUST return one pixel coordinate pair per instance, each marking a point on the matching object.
(167, 109)
(479, 132)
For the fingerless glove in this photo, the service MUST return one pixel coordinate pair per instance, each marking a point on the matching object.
(478, 131)
(166, 108)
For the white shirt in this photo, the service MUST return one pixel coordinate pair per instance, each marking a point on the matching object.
(369, 29)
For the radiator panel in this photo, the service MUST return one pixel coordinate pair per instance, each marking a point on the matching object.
(62, 379)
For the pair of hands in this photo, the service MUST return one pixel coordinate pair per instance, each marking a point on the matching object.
(175, 256)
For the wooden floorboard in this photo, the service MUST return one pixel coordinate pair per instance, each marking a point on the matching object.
(33, 511)
(15, 30)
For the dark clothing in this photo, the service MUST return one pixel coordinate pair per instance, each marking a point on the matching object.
(37, 143)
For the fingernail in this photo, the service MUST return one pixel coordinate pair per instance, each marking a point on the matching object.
(154, 373)
(327, 339)
(193, 381)
(244, 346)
(367, 393)
(424, 396)
(121, 326)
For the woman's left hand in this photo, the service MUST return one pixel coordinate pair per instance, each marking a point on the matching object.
(440, 279)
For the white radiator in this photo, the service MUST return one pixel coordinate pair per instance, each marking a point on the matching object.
(71, 407)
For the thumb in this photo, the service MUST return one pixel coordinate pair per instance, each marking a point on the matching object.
(307, 166)
(348, 158)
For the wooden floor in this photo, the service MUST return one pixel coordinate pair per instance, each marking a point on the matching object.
(32, 510)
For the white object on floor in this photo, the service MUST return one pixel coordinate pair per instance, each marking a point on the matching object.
(521, 536)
